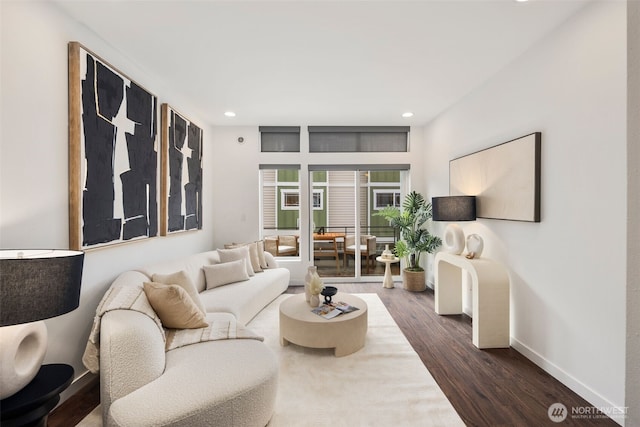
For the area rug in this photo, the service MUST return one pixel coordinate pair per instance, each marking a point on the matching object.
(383, 384)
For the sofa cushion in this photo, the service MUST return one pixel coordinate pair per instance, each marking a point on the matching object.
(174, 306)
(242, 252)
(225, 273)
(245, 299)
(181, 278)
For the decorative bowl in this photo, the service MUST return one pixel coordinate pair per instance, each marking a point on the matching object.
(328, 292)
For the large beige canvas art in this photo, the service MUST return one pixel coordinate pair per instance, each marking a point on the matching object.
(505, 179)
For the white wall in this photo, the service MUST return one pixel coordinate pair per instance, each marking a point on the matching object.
(33, 168)
(568, 271)
(237, 181)
(633, 192)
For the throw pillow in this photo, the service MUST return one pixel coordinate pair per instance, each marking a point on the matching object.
(253, 253)
(227, 255)
(253, 257)
(261, 258)
(233, 245)
(174, 306)
(225, 273)
(181, 278)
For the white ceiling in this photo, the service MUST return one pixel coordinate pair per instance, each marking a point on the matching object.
(321, 62)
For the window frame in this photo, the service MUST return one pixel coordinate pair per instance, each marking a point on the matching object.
(397, 197)
(284, 192)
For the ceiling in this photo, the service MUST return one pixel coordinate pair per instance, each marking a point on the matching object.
(321, 62)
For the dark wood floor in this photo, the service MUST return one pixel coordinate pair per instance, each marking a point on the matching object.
(497, 387)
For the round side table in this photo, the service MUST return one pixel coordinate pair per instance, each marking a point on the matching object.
(388, 279)
(31, 405)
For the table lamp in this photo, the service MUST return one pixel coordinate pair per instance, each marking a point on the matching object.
(454, 209)
(34, 285)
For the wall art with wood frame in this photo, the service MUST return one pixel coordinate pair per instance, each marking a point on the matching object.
(113, 154)
(181, 171)
(504, 178)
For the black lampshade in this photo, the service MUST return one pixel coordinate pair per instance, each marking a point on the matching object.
(38, 284)
(454, 208)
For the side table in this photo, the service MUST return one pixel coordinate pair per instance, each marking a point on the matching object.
(388, 279)
(490, 288)
(30, 406)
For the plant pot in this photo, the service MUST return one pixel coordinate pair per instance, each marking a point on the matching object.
(414, 281)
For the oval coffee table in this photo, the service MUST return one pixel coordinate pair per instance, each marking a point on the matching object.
(345, 333)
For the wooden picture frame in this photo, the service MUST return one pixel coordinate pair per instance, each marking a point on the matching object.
(181, 173)
(504, 178)
(113, 156)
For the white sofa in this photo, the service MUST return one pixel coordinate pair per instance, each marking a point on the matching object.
(227, 383)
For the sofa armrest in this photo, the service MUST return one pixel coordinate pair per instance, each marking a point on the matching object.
(131, 354)
(271, 260)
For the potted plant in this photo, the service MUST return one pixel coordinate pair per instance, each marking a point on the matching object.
(414, 238)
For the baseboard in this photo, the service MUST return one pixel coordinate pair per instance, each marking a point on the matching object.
(570, 381)
(78, 384)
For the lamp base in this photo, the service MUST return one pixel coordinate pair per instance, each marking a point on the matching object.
(22, 350)
(453, 239)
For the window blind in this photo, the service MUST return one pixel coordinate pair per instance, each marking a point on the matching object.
(362, 167)
(279, 139)
(279, 167)
(336, 139)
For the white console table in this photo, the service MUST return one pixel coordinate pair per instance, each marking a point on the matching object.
(490, 293)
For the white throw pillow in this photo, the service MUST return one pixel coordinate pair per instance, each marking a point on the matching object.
(254, 253)
(261, 258)
(181, 278)
(227, 255)
(225, 273)
(253, 257)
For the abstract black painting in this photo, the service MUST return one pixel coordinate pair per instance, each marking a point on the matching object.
(113, 155)
(181, 184)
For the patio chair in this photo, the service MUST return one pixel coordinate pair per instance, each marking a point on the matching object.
(367, 249)
(286, 245)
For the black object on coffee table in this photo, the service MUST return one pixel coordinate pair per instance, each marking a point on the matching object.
(328, 292)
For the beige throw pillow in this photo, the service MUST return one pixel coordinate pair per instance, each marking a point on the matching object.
(253, 253)
(227, 255)
(174, 306)
(181, 278)
(225, 273)
(233, 245)
(253, 257)
(261, 258)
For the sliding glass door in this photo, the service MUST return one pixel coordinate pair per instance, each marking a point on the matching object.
(345, 234)
(280, 209)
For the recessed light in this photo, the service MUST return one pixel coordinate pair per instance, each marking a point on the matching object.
(521, 1)
(229, 114)
(407, 114)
